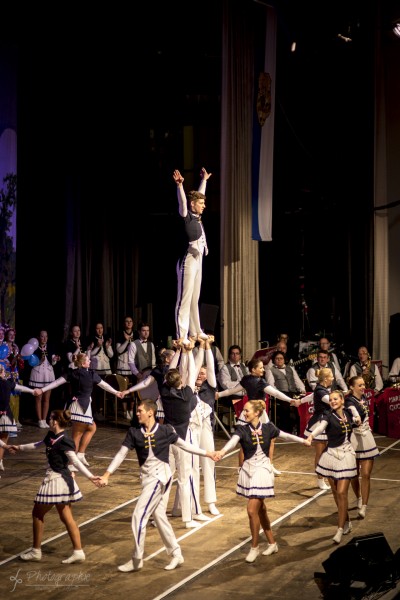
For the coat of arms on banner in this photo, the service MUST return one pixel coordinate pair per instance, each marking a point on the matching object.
(264, 97)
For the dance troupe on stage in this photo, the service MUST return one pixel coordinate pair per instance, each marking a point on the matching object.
(183, 438)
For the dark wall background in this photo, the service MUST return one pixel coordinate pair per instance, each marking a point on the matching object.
(102, 107)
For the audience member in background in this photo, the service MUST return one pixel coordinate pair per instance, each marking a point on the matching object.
(323, 361)
(368, 370)
(42, 374)
(325, 344)
(141, 360)
(2, 341)
(14, 364)
(72, 347)
(142, 353)
(100, 352)
(231, 374)
(124, 342)
(338, 461)
(287, 381)
(363, 442)
(394, 373)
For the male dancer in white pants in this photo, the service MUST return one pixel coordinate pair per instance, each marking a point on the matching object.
(201, 426)
(189, 269)
(152, 442)
(202, 421)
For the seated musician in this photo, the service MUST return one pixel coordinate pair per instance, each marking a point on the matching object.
(368, 370)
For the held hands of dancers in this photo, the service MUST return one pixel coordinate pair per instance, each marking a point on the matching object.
(214, 455)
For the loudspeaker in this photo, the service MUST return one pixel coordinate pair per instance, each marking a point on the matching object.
(208, 316)
(366, 558)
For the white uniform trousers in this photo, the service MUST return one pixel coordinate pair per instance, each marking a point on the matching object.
(207, 465)
(187, 316)
(152, 503)
(183, 463)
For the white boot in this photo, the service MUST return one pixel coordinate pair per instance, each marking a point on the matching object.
(175, 562)
(213, 509)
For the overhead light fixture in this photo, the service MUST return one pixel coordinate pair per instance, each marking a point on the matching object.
(396, 29)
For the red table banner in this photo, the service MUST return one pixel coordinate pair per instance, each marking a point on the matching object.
(389, 412)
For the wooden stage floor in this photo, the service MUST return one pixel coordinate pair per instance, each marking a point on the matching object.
(304, 521)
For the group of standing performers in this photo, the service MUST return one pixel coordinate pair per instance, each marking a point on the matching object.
(177, 432)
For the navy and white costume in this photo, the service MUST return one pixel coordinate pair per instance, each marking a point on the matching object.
(338, 381)
(338, 460)
(178, 405)
(256, 388)
(202, 422)
(7, 387)
(100, 356)
(321, 404)
(82, 382)
(122, 349)
(43, 373)
(256, 477)
(362, 438)
(153, 451)
(156, 376)
(189, 269)
(141, 356)
(72, 347)
(58, 486)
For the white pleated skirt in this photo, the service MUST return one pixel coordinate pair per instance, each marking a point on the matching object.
(77, 413)
(54, 490)
(41, 375)
(338, 463)
(7, 426)
(256, 480)
(364, 444)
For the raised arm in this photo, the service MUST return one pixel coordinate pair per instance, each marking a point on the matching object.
(182, 201)
(210, 364)
(191, 371)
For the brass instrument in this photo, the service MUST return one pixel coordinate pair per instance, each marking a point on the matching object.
(369, 375)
